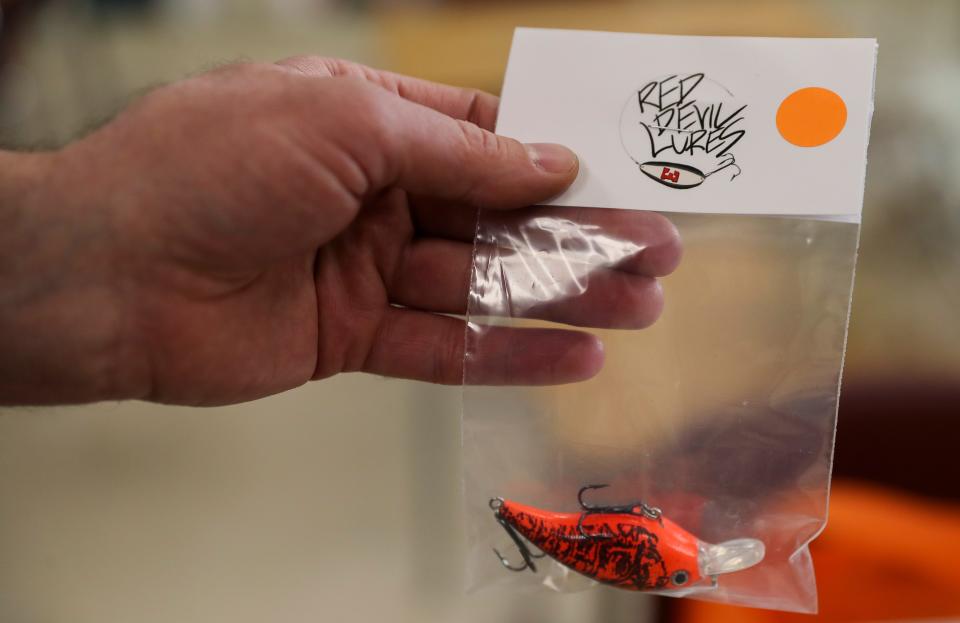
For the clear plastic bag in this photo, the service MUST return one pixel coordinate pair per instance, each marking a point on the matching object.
(720, 417)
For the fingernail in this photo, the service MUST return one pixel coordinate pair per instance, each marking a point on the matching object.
(552, 158)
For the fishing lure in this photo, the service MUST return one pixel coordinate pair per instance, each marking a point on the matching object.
(632, 546)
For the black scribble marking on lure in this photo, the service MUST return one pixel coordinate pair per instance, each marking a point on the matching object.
(635, 556)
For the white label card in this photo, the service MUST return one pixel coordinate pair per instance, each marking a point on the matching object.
(728, 125)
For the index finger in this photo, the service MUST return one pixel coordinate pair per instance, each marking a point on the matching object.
(477, 107)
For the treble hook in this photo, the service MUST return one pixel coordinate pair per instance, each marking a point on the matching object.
(525, 552)
(650, 512)
(584, 505)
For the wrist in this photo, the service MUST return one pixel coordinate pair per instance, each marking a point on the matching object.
(61, 314)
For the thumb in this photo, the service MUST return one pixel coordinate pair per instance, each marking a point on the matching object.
(428, 153)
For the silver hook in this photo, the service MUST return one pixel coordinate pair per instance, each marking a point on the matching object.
(528, 557)
(650, 512)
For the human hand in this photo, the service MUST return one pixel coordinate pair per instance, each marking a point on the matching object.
(241, 232)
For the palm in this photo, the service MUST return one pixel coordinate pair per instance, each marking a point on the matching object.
(371, 266)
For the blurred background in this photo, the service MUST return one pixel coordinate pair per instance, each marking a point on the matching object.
(340, 500)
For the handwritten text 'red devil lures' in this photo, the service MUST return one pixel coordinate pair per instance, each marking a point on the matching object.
(681, 124)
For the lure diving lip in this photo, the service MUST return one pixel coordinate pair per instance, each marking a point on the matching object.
(632, 546)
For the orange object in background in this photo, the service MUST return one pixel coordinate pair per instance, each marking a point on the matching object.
(884, 555)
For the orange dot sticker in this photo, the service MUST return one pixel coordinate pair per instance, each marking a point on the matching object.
(811, 117)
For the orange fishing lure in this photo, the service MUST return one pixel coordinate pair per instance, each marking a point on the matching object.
(631, 546)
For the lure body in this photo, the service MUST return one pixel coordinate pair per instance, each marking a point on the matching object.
(631, 546)
(624, 550)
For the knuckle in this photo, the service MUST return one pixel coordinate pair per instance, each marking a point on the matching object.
(647, 302)
(665, 248)
(312, 65)
(238, 68)
(482, 109)
(345, 124)
(299, 63)
(448, 357)
(481, 142)
(349, 107)
(365, 102)
(369, 113)
(485, 155)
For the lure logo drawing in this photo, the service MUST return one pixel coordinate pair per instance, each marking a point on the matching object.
(682, 129)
